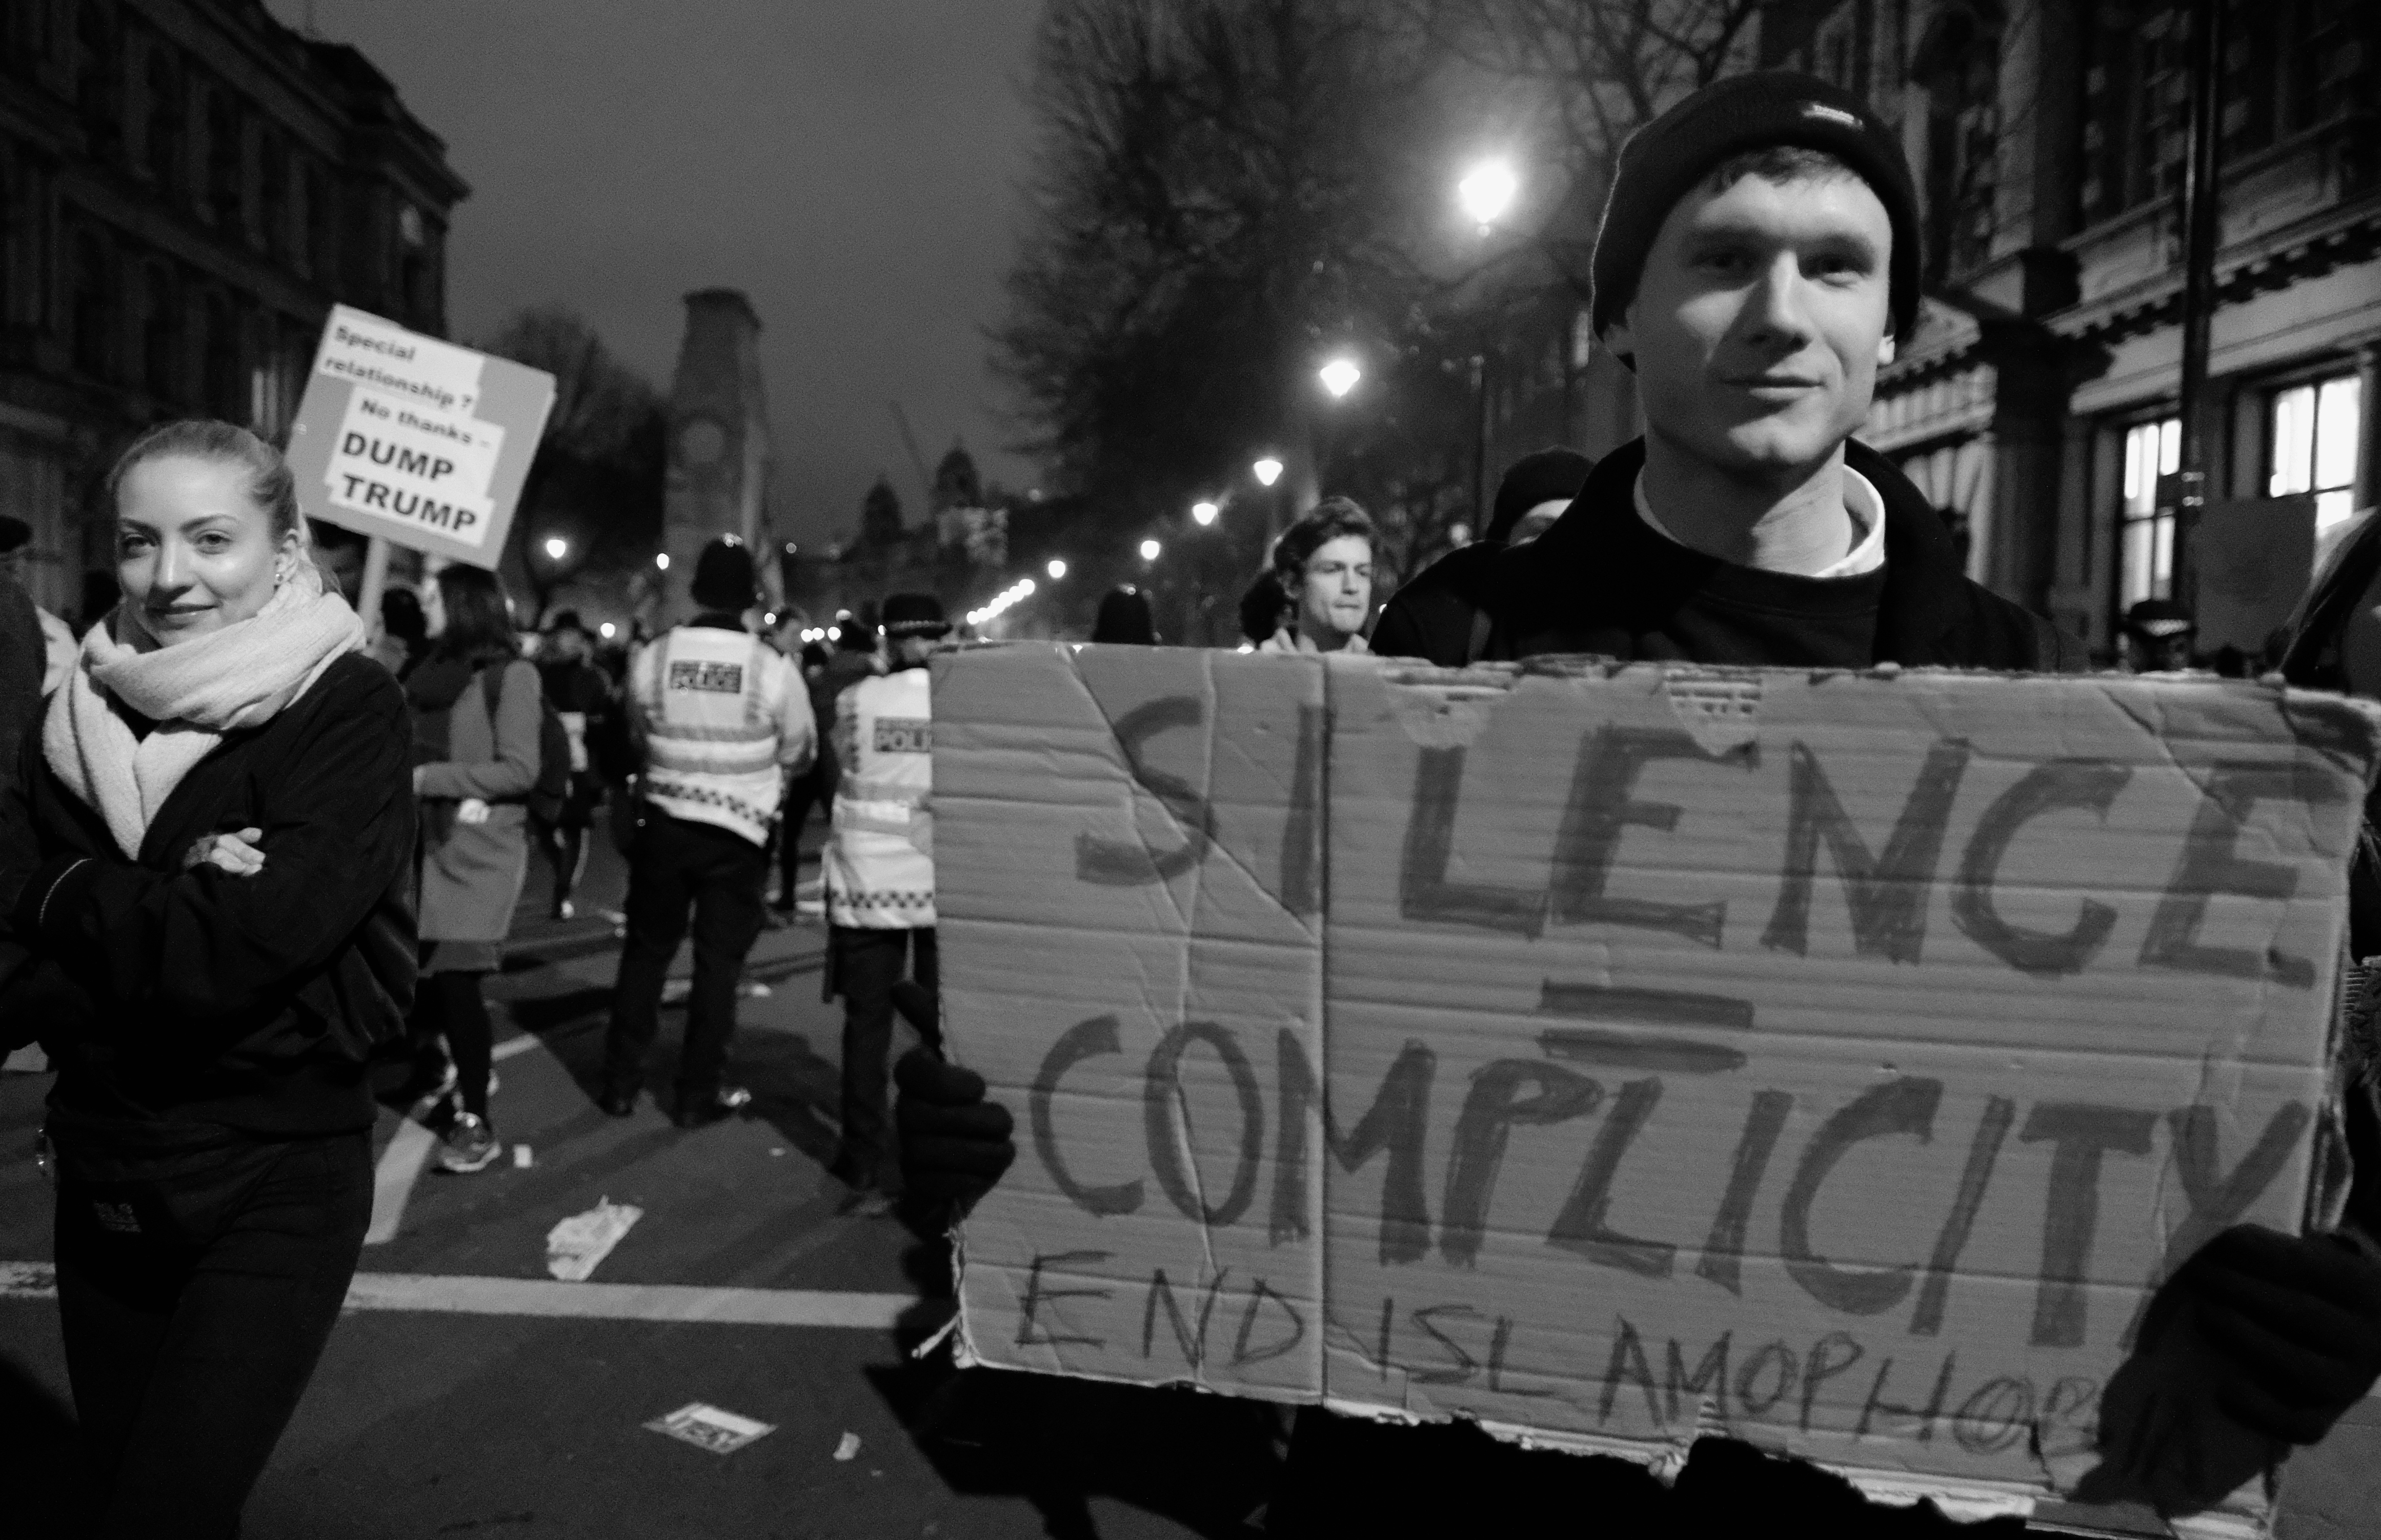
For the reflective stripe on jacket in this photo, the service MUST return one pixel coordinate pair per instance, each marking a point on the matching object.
(880, 863)
(723, 719)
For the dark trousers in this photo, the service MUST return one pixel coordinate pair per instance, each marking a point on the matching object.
(676, 865)
(801, 795)
(452, 1006)
(190, 1337)
(868, 972)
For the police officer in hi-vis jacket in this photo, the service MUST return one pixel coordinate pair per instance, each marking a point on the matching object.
(880, 880)
(718, 719)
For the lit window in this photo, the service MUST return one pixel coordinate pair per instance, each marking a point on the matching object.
(2145, 541)
(2314, 447)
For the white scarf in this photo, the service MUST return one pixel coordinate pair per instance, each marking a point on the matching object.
(194, 691)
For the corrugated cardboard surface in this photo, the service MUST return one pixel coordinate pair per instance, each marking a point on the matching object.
(1831, 1061)
(1128, 870)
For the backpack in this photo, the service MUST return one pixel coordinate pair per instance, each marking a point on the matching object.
(552, 789)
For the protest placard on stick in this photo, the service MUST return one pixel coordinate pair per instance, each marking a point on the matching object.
(411, 440)
(1835, 1061)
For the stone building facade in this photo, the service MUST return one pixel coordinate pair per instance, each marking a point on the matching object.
(2036, 405)
(186, 187)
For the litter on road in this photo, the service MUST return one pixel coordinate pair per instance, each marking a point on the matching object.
(707, 1427)
(574, 1247)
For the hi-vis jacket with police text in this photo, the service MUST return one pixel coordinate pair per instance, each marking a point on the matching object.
(880, 866)
(722, 718)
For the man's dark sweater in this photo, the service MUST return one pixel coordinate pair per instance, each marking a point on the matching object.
(1602, 581)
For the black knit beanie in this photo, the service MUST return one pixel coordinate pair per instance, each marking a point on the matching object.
(1532, 480)
(1666, 157)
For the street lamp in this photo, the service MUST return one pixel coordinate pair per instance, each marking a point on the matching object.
(661, 559)
(557, 547)
(1205, 513)
(1056, 570)
(1487, 191)
(1268, 470)
(1149, 549)
(1339, 377)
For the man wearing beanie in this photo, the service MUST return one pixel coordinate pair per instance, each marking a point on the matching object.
(719, 719)
(1436, 611)
(1757, 263)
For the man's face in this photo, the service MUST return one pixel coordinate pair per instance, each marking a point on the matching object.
(1338, 587)
(1760, 318)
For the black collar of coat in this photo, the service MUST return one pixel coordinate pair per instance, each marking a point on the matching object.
(1590, 566)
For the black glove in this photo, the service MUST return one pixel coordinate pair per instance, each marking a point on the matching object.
(954, 1144)
(2298, 1319)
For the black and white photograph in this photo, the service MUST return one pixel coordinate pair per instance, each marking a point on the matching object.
(1147, 769)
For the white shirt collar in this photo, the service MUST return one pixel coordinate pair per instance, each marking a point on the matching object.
(1862, 502)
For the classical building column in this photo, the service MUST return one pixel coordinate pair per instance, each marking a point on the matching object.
(2368, 425)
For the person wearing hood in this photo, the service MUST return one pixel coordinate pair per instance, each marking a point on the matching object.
(720, 719)
(1433, 614)
(1124, 619)
(1757, 264)
(205, 911)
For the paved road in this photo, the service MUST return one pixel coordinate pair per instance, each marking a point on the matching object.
(469, 1393)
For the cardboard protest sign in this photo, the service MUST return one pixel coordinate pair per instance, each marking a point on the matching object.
(1127, 854)
(415, 440)
(1832, 1061)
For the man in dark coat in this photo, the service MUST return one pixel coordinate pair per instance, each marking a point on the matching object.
(1436, 611)
(1758, 262)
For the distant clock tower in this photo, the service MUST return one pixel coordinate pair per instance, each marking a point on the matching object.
(719, 449)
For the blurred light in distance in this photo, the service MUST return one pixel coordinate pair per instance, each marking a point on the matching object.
(557, 547)
(1149, 549)
(1205, 513)
(606, 631)
(1487, 191)
(1268, 470)
(1339, 377)
(1056, 570)
(661, 559)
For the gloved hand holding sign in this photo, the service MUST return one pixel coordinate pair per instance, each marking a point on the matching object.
(954, 1144)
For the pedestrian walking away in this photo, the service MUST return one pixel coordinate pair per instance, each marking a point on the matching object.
(205, 910)
(581, 697)
(1758, 262)
(880, 883)
(720, 719)
(477, 721)
(854, 659)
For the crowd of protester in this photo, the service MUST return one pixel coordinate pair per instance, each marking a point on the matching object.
(254, 850)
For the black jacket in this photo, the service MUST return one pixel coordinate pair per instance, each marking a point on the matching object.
(1581, 587)
(204, 998)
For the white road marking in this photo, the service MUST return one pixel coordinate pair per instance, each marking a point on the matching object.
(401, 1164)
(393, 1179)
(429, 1292)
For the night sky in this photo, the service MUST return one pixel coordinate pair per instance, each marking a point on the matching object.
(854, 165)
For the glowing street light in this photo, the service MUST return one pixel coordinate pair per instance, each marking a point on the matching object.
(1149, 549)
(1268, 470)
(557, 547)
(1339, 377)
(1056, 570)
(661, 559)
(1486, 192)
(608, 630)
(1205, 513)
